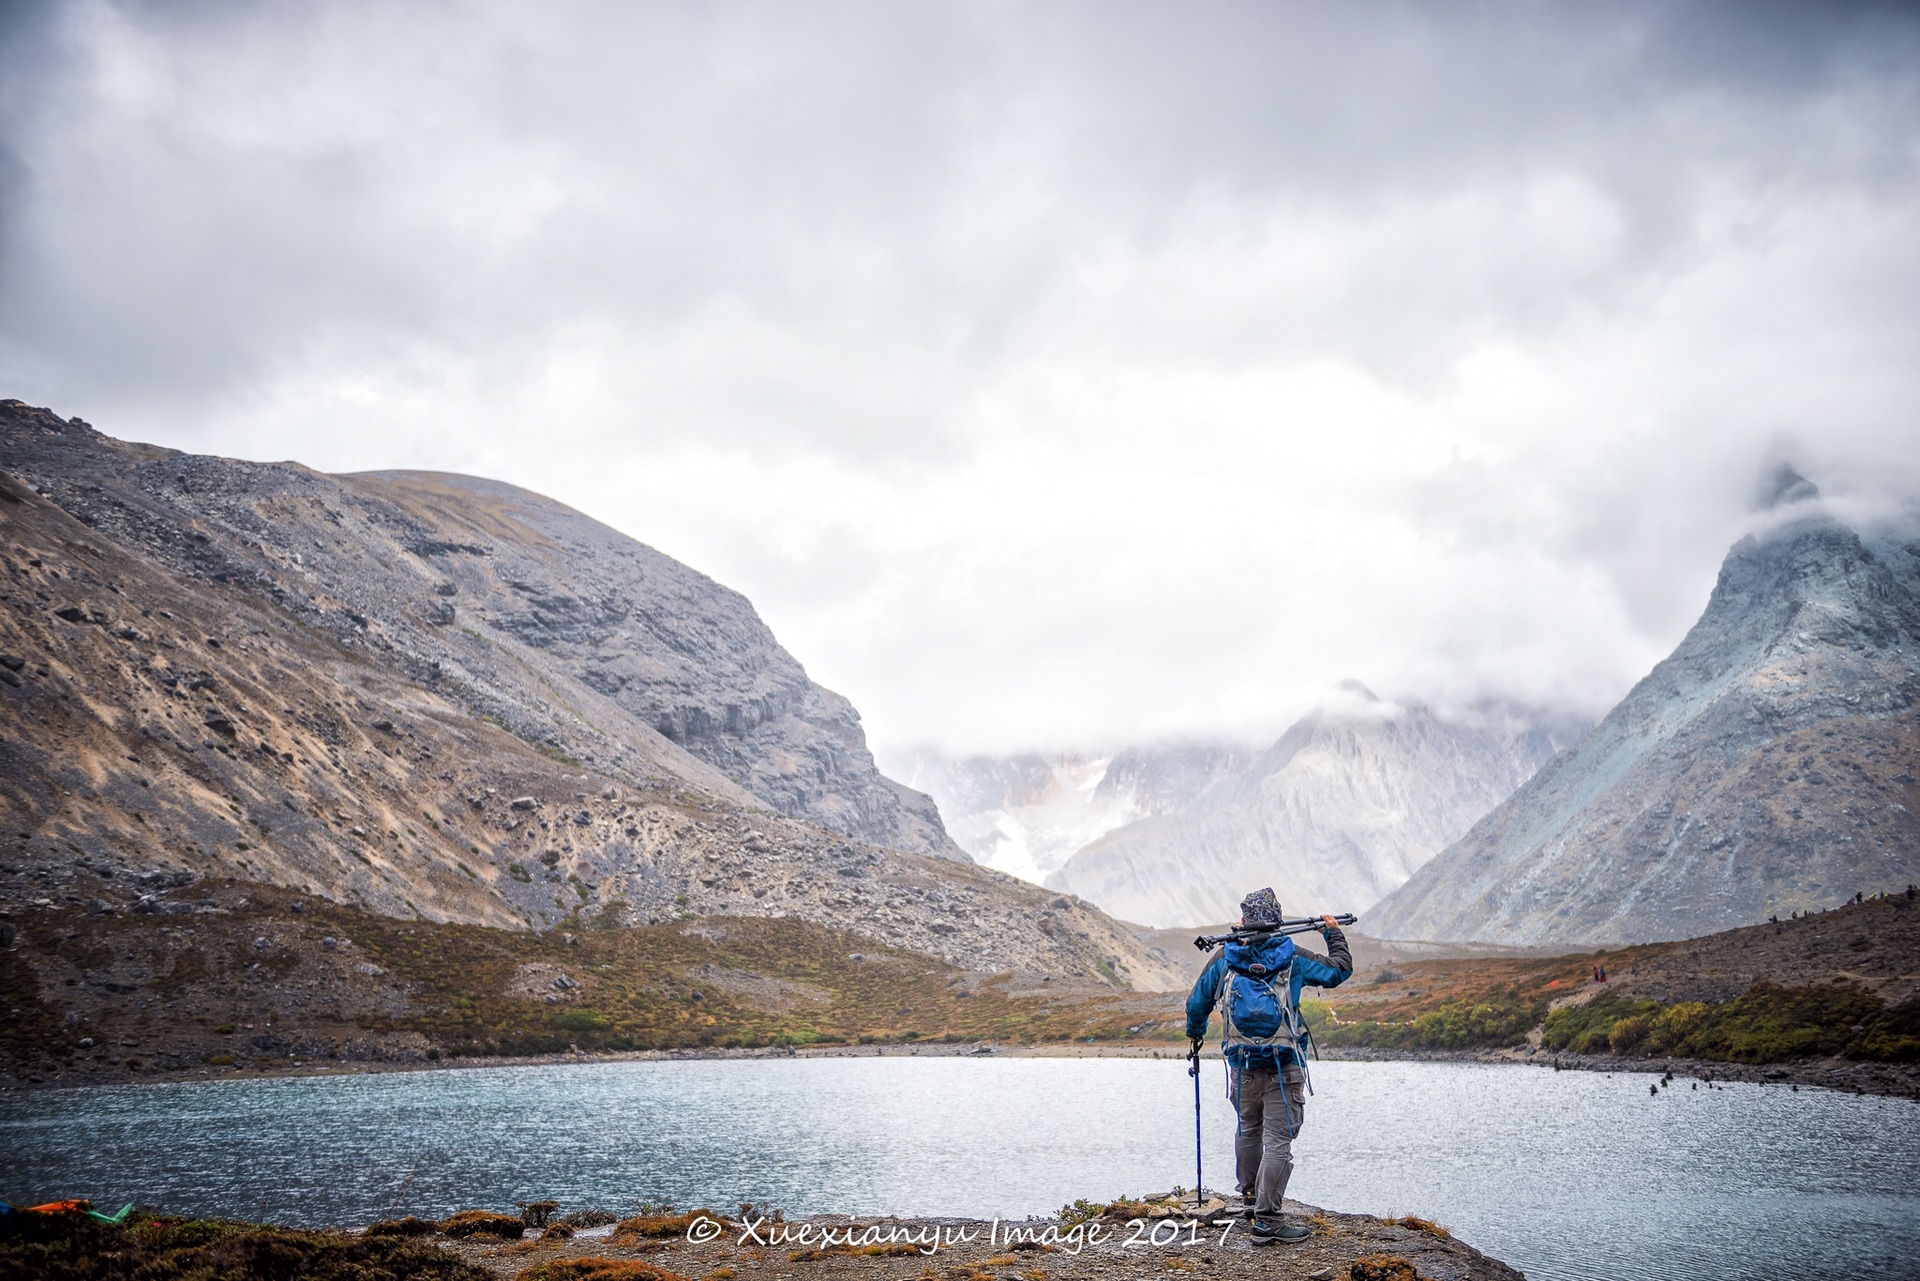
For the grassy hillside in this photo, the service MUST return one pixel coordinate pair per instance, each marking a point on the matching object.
(248, 977)
(1829, 983)
(260, 976)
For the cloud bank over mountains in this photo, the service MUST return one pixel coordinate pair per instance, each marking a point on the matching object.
(1045, 375)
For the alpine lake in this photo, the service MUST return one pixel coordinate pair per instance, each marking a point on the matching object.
(1561, 1174)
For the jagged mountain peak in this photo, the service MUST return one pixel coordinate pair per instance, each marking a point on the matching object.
(1784, 486)
(1765, 766)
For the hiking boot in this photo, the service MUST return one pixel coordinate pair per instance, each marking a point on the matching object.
(1267, 1231)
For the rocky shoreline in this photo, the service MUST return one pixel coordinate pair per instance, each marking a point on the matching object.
(1148, 1238)
(1895, 1080)
(1085, 1241)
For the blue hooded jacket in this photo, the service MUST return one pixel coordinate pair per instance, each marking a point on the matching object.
(1272, 953)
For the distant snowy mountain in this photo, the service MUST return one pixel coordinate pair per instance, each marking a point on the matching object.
(1338, 812)
(1027, 814)
(1341, 810)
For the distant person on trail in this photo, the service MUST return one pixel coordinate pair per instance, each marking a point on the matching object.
(1257, 985)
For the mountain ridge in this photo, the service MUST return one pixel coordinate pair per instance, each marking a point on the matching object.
(1766, 766)
(652, 649)
(203, 688)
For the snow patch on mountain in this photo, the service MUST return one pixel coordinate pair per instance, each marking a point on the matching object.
(1026, 814)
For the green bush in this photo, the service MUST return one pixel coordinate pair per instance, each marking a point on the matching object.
(1597, 1039)
(1456, 1025)
(1676, 1024)
(1588, 1029)
(1773, 1023)
(1895, 1038)
(1628, 1033)
(1765, 1025)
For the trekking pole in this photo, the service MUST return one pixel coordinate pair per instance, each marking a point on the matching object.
(1193, 1070)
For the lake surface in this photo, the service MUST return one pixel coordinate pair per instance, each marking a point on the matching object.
(1563, 1175)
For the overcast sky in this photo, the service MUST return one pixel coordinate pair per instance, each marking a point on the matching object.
(1047, 374)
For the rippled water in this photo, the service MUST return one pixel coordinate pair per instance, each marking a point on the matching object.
(1564, 1175)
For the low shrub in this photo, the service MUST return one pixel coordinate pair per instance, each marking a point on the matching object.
(1382, 1267)
(149, 1247)
(1626, 1035)
(580, 1021)
(1895, 1038)
(1588, 1028)
(407, 1227)
(1675, 1025)
(1075, 1213)
(1769, 1024)
(484, 1223)
(597, 1269)
(1454, 1025)
(1765, 1025)
(662, 1225)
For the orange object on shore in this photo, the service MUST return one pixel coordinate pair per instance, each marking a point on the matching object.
(60, 1207)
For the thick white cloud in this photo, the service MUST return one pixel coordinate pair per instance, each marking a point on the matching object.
(1046, 374)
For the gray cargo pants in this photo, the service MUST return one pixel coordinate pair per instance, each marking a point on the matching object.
(1272, 1104)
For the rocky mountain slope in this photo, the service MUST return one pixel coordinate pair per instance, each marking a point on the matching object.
(571, 635)
(1339, 811)
(436, 696)
(1765, 767)
(1026, 814)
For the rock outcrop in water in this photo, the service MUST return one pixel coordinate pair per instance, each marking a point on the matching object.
(438, 696)
(1767, 766)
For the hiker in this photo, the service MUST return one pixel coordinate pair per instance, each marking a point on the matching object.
(1257, 985)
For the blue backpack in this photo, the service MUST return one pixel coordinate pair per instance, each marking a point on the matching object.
(1254, 1006)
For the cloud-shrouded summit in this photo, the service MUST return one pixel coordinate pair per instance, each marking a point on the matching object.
(1044, 375)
